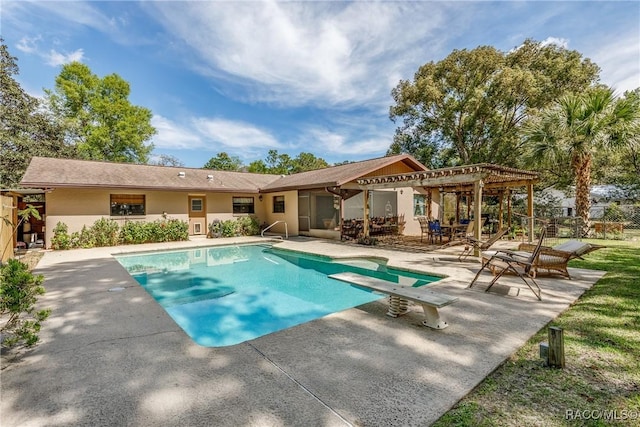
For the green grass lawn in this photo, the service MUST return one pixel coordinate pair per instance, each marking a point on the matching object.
(602, 352)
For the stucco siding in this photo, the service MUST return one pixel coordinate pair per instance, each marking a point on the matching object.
(83, 207)
(290, 214)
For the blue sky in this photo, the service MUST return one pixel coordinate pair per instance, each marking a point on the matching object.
(246, 77)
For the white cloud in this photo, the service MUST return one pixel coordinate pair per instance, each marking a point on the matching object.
(55, 58)
(28, 44)
(345, 142)
(296, 53)
(558, 41)
(213, 135)
(235, 134)
(77, 12)
(173, 136)
(619, 60)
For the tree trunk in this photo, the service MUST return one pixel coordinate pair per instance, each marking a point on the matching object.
(581, 165)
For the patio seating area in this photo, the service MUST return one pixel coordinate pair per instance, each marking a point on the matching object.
(378, 226)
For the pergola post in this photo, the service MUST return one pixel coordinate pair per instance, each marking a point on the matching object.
(509, 209)
(530, 210)
(501, 210)
(365, 219)
(477, 213)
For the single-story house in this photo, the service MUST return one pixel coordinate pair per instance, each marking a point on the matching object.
(313, 203)
(601, 197)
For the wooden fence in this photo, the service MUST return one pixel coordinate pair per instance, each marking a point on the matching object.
(6, 228)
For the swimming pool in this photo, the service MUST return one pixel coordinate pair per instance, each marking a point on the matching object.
(226, 295)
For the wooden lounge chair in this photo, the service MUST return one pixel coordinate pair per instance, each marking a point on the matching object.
(471, 244)
(556, 258)
(504, 261)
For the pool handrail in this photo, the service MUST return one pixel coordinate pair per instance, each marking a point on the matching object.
(286, 230)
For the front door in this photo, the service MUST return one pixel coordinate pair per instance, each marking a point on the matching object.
(197, 215)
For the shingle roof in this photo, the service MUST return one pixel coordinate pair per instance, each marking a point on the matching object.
(339, 175)
(49, 172)
(44, 172)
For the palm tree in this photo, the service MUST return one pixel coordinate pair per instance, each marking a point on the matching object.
(568, 133)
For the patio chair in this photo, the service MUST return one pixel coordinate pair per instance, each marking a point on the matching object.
(556, 258)
(466, 233)
(424, 226)
(471, 244)
(504, 261)
(435, 231)
(460, 237)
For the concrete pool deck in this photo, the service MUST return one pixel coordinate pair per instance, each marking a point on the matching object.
(116, 358)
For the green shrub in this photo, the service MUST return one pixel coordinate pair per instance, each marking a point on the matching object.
(176, 230)
(156, 231)
(86, 238)
(162, 230)
(228, 228)
(105, 232)
(248, 226)
(19, 291)
(134, 232)
(61, 238)
(243, 226)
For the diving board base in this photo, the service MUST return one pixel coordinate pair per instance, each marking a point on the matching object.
(399, 297)
(432, 318)
(397, 306)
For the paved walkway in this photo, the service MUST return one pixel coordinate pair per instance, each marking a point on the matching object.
(117, 359)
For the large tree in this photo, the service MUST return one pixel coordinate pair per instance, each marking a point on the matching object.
(470, 106)
(283, 164)
(102, 123)
(224, 162)
(621, 167)
(567, 135)
(26, 130)
(166, 160)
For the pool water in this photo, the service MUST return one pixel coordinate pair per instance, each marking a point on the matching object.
(227, 295)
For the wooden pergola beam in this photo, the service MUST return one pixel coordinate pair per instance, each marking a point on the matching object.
(441, 181)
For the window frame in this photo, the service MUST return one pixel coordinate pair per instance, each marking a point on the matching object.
(278, 204)
(416, 198)
(194, 199)
(243, 208)
(122, 205)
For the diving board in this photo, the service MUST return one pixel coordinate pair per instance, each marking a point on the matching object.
(399, 297)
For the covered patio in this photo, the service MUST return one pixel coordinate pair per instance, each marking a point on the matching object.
(471, 183)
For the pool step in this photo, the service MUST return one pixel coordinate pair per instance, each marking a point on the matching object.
(199, 296)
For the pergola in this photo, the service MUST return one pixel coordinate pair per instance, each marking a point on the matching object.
(473, 180)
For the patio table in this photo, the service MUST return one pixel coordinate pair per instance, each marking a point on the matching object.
(452, 229)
